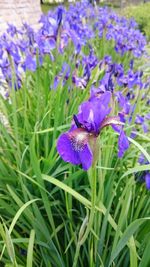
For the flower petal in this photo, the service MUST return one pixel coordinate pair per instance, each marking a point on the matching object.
(113, 120)
(66, 151)
(93, 112)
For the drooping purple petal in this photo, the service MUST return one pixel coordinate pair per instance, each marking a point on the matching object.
(73, 147)
(66, 151)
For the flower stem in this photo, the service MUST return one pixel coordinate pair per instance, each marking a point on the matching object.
(82, 238)
(93, 200)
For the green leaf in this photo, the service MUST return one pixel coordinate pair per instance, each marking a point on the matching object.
(20, 211)
(9, 245)
(83, 200)
(137, 169)
(147, 156)
(145, 261)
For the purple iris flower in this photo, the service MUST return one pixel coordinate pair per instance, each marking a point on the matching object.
(12, 30)
(123, 103)
(123, 144)
(81, 82)
(64, 74)
(74, 145)
(30, 62)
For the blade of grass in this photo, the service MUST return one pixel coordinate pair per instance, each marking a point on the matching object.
(30, 249)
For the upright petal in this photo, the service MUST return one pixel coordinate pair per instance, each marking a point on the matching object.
(93, 112)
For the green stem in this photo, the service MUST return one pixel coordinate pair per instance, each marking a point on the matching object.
(76, 255)
(91, 218)
(93, 201)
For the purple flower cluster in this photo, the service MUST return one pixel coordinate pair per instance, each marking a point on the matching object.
(78, 145)
(114, 78)
(78, 26)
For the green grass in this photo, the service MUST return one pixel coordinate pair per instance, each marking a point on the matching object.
(46, 7)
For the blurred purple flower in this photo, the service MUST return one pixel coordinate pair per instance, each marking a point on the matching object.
(124, 103)
(30, 63)
(139, 119)
(123, 144)
(147, 180)
(65, 73)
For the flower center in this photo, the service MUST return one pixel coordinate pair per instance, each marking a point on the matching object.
(78, 138)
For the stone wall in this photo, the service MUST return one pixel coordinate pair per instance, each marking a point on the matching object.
(18, 11)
